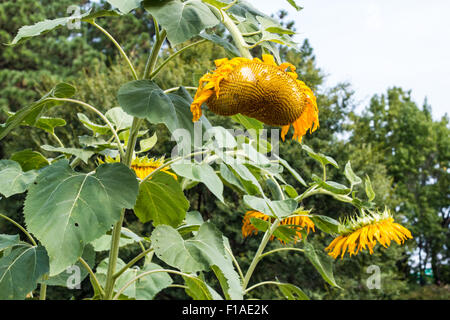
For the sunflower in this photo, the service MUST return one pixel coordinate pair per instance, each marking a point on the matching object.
(367, 230)
(143, 166)
(259, 89)
(298, 222)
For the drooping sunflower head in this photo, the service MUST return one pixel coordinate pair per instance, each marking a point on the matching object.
(366, 230)
(297, 223)
(259, 89)
(142, 166)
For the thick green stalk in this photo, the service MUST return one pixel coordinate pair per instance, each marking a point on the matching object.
(237, 36)
(258, 253)
(153, 57)
(134, 131)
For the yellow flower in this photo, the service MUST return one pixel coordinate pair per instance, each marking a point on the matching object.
(297, 223)
(260, 89)
(366, 231)
(143, 166)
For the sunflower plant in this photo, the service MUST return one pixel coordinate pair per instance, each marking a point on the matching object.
(71, 214)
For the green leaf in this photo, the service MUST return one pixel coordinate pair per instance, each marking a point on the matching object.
(161, 200)
(369, 190)
(292, 292)
(331, 186)
(182, 105)
(229, 177)
(325, 223)
(119, 118)
(144, 99)
(125, 6)
(203, 173)
(31, 114)
(248, 123)
(182, 20)
(45, 26)
(170, 248)
(197, 289)
(294, 173)
(290, 191)
(323, 159)
(44, 123)
(208, 247)
(21, 270)
(274, 190)
(231, 49)
(13, 180)
(281, 208)
(104, 243)
(145, 288)
(7, 241)
(244, 8)
(30, 160)
(80, 153)
(242, 173)
(147, 144)
(292, 3)
(96, 128)
(322, 264)
(219, 137)
(271, 25)
(62, 278)
(66, 209)
(148, 286)
(216, 3)
(283, 233)
(351, 176)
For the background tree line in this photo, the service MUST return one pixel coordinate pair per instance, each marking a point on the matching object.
(394, 140)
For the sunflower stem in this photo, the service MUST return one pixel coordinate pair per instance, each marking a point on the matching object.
(258, 253)
(237, 36)
(33, 242)
(101, 115)
(122, 52)
(153, 57)
(161, 66)
(127, 160)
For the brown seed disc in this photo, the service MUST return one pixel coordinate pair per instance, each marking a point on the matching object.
(260, 91)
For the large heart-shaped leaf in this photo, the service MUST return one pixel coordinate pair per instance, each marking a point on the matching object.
(67, 209)
(203, 173)
(161, 200)
(21, 270)
(73, 275)
(12, 179)
(182, 20)
(144, 99)
(171, 248)
(208, 246)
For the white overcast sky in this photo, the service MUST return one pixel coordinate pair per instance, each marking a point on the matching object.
(376, 44)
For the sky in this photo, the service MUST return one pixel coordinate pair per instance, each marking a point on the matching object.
(377, 44)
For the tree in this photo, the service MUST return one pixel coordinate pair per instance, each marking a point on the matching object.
(416, 154)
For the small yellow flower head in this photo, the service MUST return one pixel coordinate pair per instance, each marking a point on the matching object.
(366, 230)
(259, 89)
(297, 223)
(142, 166)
